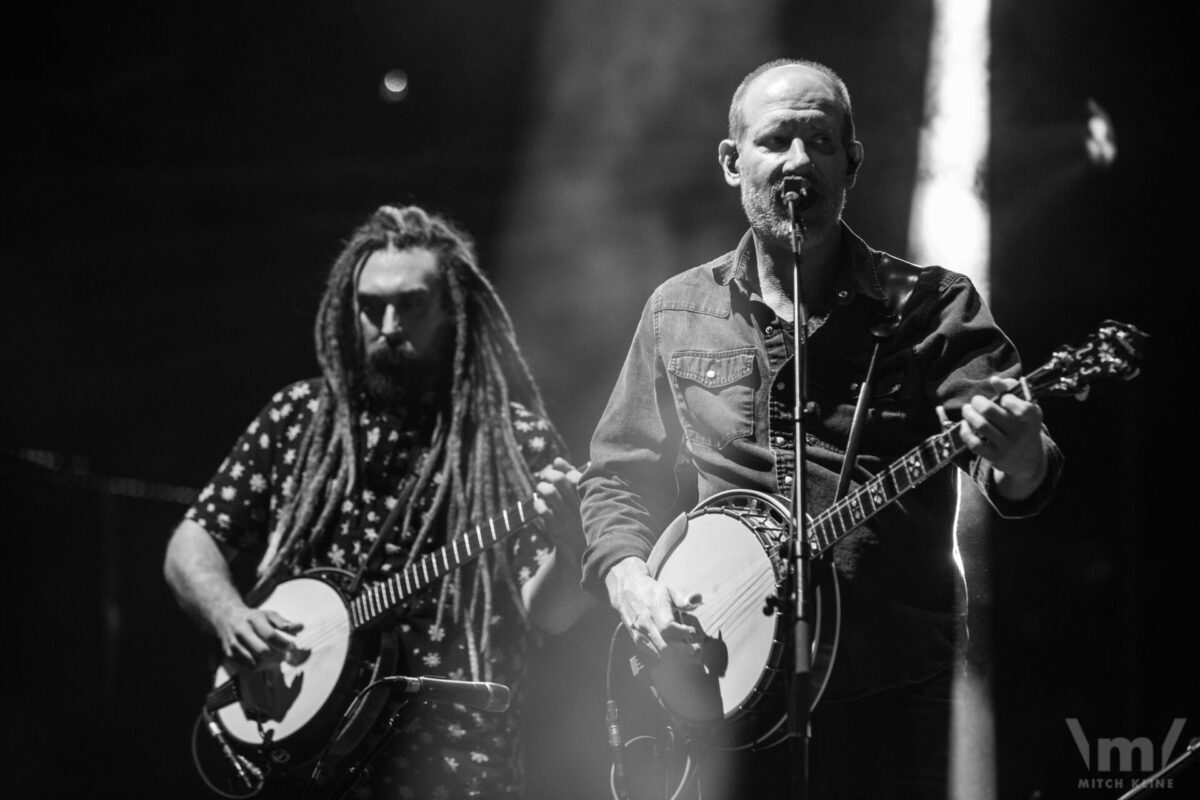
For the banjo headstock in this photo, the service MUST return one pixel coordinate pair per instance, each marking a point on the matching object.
(1112, 352)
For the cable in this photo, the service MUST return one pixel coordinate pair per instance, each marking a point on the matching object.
(240, 763)
(617, 772)
(690, 774)
(347, 716)
(616, 745)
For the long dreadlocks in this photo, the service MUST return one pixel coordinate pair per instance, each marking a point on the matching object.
(474, 460)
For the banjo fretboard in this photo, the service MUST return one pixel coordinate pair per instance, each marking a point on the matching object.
(379, 598)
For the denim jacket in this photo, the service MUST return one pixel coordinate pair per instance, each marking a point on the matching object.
(704, 404)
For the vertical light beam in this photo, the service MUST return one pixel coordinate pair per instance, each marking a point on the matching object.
(950, 215)
(950, 226)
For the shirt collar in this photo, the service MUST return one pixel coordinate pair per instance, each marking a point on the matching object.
(858, 273)
(735, 269)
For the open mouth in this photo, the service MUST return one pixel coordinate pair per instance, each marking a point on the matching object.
(803, 195)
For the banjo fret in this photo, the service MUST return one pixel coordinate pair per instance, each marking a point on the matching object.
(378, 599)
(910, 471)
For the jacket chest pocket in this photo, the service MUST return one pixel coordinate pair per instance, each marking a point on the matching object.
(714, 394)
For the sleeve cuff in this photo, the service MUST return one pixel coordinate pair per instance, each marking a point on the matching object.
(985, 479)
(603, 553)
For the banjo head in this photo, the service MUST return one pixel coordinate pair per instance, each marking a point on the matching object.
(283, 698)
(723, 685)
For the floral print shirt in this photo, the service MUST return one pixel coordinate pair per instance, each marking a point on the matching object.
(441, 750)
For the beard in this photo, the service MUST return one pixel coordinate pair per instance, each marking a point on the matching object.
(395, 377)
(768, 215)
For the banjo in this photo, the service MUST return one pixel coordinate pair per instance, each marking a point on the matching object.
(276, 720)
(724, 689)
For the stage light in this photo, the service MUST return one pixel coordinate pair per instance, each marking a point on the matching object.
(1101, 142)
(394, 86)
(951, 225)
(950, 220)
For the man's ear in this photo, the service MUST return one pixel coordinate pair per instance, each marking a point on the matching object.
(727, 156)
(854, 162)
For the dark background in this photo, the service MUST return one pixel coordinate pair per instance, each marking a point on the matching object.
(179, 176)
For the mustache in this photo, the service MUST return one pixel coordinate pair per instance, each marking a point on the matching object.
(402, 361)
(807, 189)
(390, 357)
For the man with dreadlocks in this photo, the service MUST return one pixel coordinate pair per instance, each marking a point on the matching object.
(426, 421)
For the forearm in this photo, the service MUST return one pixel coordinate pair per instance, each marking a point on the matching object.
(631, 483)
(623, 515)
(970, 360)
(198, 573)
(553, 595)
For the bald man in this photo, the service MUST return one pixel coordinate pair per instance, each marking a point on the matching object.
(704, 404)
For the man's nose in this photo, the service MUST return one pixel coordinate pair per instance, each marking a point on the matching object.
(391, 322)
(797, 158)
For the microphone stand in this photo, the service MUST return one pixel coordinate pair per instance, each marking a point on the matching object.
(797, 593)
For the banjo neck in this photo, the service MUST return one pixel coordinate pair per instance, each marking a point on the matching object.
(906, 473)
(1110, 352)
(377, 599)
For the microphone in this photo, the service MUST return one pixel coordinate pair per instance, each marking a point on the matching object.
(475, 694)
(795, 191)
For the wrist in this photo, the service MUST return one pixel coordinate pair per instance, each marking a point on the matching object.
(224, 612)
(621, 573)
(568, 564)
(1018, 485)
